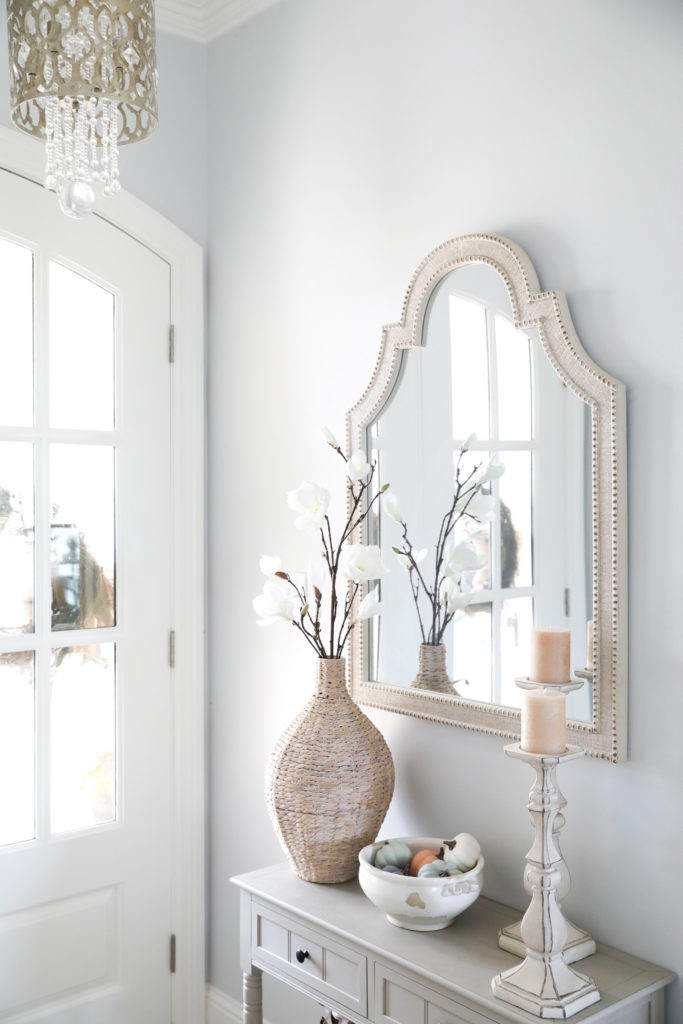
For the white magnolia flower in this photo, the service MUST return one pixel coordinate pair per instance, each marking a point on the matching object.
(480, 506)
(276, 604)
(369, 606)
(362, 562)
(468, 443)
(311, 502)
(493, 471)
(419, 554)
(315, 577)
(462, 557)
(451, 596)
(391, 506)
(358, 467)
(270, 564)
(329, 437)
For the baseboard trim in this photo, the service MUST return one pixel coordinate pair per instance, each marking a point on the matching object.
(221, 1008)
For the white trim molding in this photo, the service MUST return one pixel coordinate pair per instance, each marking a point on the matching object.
(25, 156)
(205, 20)
(222, 1008)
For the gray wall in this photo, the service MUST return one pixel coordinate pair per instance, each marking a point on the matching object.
(348, 139)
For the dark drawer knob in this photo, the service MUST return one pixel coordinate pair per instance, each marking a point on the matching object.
(302, 954)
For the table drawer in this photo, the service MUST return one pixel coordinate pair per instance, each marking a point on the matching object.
(400, 1000)
(324, 966)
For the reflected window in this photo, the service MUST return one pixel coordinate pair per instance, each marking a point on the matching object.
(493, 396)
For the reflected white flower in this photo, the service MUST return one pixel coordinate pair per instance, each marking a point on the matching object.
(275, 604)
(329, 437)
(369, 606)
(493, 471)
(311, 502)
(451, 596)
(270, 564)
(362, 562)
(480, 506)
(391, 506)
(462, 557)
(358, 467)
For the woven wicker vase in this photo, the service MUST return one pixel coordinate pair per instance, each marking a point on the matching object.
(431, 670)
(329, 782)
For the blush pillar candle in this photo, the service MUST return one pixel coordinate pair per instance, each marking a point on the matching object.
(549, 656)
(544, 722)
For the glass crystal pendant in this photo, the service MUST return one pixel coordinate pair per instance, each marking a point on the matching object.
(83, 76)
(81, 151)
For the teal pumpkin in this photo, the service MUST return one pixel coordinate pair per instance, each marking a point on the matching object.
(434, 869)
(395, 853)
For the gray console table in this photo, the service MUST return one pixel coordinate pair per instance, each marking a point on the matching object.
(331, 943)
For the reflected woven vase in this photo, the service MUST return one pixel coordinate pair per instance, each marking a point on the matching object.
(431, 670)
(329, 781)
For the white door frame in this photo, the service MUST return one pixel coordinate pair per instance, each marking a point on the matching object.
(24, 156)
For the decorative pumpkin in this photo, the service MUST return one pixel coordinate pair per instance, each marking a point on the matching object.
(392, 869)
(462, 852)
(420, 858)
(433, 869)
(395, 853)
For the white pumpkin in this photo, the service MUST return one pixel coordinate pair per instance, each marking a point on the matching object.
(462, 852)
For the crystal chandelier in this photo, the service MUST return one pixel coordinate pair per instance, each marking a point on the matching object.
(83, 77)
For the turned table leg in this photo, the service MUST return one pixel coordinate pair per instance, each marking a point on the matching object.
(252, 1002)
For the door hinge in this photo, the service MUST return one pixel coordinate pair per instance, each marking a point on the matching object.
(171, 648)
(567, 602)
(172, 954)
(171, 344)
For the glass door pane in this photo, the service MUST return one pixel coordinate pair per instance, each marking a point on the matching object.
(82, 536)
(16, 537)
(82, 737)
(17, 747)
(81, 351)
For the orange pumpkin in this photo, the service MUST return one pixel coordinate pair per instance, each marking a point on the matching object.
(420, 858)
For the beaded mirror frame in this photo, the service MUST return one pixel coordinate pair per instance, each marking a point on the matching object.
(548, 312)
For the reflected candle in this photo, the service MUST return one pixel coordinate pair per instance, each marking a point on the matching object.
(544, 722)
(549, 656)
(590, 639)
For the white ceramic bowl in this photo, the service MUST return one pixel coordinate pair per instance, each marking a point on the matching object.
(421, 904)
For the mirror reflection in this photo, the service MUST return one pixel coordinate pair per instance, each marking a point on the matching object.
(488, 530)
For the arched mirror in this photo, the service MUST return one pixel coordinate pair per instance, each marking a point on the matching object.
(503, 446)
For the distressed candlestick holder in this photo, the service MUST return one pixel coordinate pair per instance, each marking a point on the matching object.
(544, 984)
(579, 943)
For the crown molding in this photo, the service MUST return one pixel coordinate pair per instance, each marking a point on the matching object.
(205, 20)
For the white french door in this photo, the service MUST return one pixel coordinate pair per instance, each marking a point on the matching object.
(85, 609)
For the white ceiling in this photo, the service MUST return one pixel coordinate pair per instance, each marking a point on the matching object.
(204, 20)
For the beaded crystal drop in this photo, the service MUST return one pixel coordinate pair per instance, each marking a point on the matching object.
(81, 147)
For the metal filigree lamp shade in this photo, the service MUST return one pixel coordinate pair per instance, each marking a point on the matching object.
(83, 77)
